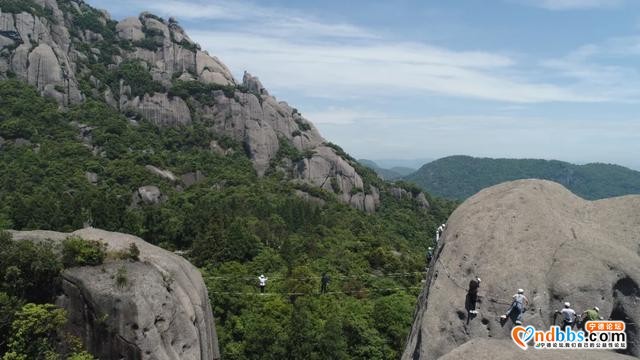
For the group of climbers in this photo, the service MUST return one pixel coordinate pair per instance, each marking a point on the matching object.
(570, 318)
(519, 304)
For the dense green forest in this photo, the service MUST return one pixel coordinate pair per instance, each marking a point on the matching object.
(234, 225)
(458, 177)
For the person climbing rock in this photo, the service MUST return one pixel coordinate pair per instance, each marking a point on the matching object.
(429, 255)
(591, 314)
(518, 307)
(262, 281)
(472, 295)
(324, 283)
(568, 315)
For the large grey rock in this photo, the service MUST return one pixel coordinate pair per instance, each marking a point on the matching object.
(42, 57)
(130, 29)
(211, 70)
(535, 235)
(149, 195)
(161, 313)
(159, 108)
(253, 84)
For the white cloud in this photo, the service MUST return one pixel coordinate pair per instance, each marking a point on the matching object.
(381, 68)
(255, 18)
(344, 116)
(573, 4)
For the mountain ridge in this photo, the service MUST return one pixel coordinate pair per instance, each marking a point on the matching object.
(460, 176)
(148, 67)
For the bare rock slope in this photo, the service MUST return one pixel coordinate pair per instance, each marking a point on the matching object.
(161, 311)
(535, 235)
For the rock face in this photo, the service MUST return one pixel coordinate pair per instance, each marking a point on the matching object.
(420, 198)
(149, 195)
(53, 53)
(535, 235)
(161, 311)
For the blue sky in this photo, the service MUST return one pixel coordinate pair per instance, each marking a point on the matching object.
(406, 79)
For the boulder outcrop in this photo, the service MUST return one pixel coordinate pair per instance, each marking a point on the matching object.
(155, 308)
(535, 235)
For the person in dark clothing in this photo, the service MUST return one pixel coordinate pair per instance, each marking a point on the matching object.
(429, 255)
(324, 283)
(472, 295)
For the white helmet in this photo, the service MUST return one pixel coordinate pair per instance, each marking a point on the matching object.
(430, 248)
(520, 291)
(478, 279)
(596, 308)
(567, 304)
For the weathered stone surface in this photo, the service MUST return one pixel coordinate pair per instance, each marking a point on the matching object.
(42, 55)
(162, 312)
(149, 195)
(207, 65)
(130, 29)
(535, 235)
(159, 108)
(253, 84)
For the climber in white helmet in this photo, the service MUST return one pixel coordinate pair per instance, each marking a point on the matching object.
(518, 307)
(568, 315)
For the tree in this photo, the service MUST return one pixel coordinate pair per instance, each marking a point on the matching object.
(33, 331)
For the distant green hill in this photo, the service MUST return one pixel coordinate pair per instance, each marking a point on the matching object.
(393, 173)
(458, 177)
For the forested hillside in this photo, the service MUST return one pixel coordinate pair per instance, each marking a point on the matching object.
(458, 177)
(232, 223)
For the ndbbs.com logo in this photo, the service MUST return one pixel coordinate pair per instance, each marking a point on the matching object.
(596, 335)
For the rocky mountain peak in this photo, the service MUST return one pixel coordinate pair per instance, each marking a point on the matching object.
(148, 67)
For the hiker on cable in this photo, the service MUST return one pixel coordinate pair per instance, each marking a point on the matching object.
(324, 282)
(518, 307)
(262, 281)
(472, 295)
(568, 315)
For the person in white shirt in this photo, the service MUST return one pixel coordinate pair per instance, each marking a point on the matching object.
(568, 315)
(263, 282)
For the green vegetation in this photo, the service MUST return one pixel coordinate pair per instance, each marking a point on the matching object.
(136, 75)
(121, 277)
(30, 6)
(235, 224)
(79, 252)
(458, 177)
(30, 326)
(201, 92)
